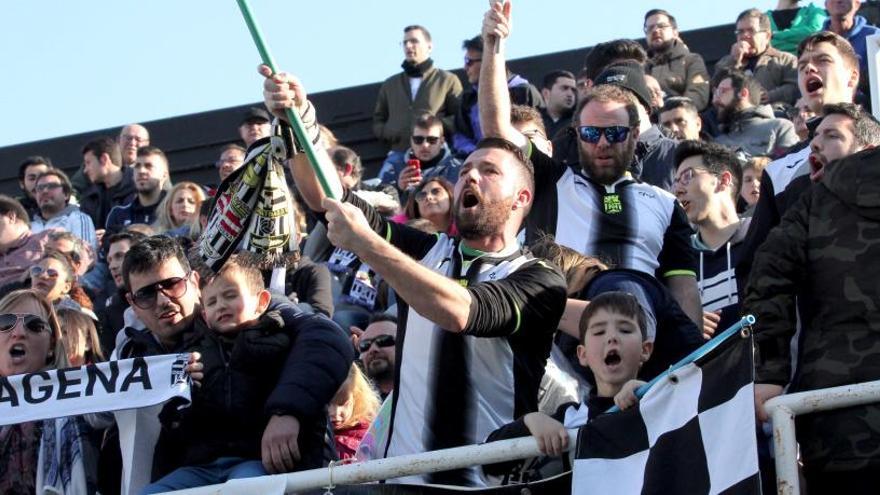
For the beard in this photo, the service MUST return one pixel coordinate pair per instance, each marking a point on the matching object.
(487, 219)
(663, 46)
(380, 369)
(726, 113)
(623, 158)
(149, 187)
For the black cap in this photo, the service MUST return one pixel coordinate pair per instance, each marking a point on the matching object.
(255, 114)
(630, 76)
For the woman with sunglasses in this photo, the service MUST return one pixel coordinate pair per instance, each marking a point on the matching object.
(30, 341)
(55, 279)
(431, 200)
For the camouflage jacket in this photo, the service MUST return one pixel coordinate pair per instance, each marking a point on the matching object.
(826, 251)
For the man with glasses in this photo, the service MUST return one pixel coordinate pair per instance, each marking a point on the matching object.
(231, 159)
(679, 71)
(420, 88)
(707, 185)
(164, 293)
(376, 348)
(429, 148)
(598, 210)
(53, 191)
(751, 53)
(467, 120)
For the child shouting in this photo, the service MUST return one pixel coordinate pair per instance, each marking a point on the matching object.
(613, 345)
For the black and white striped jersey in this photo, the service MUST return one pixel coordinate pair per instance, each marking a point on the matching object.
(629, 223)
(453, 389)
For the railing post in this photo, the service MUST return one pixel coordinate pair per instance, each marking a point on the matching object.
(785, 443)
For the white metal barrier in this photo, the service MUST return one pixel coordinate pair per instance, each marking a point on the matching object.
(873, 46)
(784, 408)
(381, 469)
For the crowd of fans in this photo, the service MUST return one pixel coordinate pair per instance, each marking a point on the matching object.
(640, 201)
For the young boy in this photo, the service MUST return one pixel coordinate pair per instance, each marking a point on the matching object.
(243, 351)
(613, 345)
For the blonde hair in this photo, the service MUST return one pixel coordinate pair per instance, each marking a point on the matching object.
(57, 357)
(164, 221)
(365, 400)
(80, 337)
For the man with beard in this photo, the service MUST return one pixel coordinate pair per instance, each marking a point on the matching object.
(746, 124)
(776, 71)
(150, 177)
(53, 196)
(376, 346)
(599, 210)
(679, 71)
(420, 88)
(828, 72)
(477, 313)
(845, 129)
(28, 171)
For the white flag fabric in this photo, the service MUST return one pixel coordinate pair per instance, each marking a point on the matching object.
(693, 432)
(107, 386)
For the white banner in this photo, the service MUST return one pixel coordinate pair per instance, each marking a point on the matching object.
(107, 386)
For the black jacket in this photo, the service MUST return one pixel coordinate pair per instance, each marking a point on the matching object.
(97, 201)
(290, 363)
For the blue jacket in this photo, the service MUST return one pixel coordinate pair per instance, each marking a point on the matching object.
(856, 37)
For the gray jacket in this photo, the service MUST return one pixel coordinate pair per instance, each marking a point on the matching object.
(757, 132)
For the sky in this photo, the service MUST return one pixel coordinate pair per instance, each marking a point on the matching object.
(72, 67)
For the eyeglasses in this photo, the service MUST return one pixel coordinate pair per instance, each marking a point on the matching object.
(38, 270)
(687, 176)
(659, 25)
(145, 297)
(471, 61)
(432, 140)
(748, 32)
(32, 323)
(423, 194)
(46, 187)
(613, 134)
(230, 161)
(381, 341)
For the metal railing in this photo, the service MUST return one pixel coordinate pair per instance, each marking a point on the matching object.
(381, 469)
(784, 408)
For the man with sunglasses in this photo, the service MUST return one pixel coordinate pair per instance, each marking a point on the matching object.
(376, 348)
(427, 146)
(467, 120)
(599, 210)
(53, 191)
(478, 311)
(164, 293)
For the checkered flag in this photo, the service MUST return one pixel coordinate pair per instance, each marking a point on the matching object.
(693, 432)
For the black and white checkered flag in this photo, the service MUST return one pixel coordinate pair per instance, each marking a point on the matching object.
(692, 433)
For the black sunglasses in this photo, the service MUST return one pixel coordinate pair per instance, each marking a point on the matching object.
(430, 139)
(145, 297)
(32, 323)
(613, 134)
(380, 341)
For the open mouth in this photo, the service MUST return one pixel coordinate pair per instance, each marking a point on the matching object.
(612, 358)
(469, 199)
(684, 204)
(17, 353)
(813, 84)
(168, 315)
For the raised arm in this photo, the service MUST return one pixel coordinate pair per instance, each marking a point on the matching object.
(494, 99)
(280, 92)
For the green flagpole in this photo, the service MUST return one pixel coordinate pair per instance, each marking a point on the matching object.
(292, 116)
